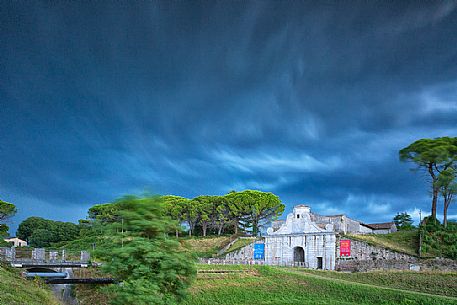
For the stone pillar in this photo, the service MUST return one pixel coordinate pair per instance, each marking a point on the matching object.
(39, 254)
(53, 256)
(85, 256)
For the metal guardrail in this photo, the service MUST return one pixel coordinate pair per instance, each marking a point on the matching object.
(42, 257)
(218, 261)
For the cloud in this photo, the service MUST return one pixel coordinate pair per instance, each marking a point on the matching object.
(312, 102)
(284, 162)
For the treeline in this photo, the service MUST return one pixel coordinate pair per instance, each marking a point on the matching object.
(247, 211)
(40, 232)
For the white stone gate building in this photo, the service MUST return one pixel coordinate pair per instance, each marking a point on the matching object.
(300, 241)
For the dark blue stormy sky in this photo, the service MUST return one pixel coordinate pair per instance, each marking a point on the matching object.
(311, 102)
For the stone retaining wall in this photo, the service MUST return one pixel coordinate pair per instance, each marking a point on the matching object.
(361, 250)
(365, 257)
(244, 254)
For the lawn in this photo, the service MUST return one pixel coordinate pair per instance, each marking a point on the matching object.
(277, 286)
(442, 283)
(16, 290)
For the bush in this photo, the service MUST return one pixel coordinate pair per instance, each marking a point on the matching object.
(438, 239)
(145, 256)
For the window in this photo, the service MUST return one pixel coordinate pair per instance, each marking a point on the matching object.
(298, 215)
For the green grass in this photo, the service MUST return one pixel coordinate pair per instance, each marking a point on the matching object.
(402, 241)
(442, 283)
(280, 286)
(16, 290)
(206, 246)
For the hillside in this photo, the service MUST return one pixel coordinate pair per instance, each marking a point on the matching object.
(16, 290)
(402, 241)
(207, 246)
(273, 285)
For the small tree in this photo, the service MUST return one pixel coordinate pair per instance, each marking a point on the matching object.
(222, 213)
(447, 185)
(174, 207)
(152, 267)
(3, 230)
(257, 208)
(403, 221)
(6, 210)
(191, 214)
(205, 210)
(433, 156)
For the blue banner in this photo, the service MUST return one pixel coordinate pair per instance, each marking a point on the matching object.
(259, 251)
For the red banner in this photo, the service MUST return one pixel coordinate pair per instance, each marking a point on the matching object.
(345, 247)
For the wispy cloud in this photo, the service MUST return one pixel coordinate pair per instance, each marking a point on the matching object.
(280, 162)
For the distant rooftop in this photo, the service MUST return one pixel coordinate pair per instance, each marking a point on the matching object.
(380, 226)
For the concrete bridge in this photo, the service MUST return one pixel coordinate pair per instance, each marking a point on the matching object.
(55, 267)
(40, 257)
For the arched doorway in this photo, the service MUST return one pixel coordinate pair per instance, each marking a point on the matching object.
(299, 255)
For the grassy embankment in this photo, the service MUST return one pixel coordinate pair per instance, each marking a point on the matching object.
(402, 241)
(207, 246)
(16, 290)
(277, 286)
(442, 283)
(201, 246)
(272, 285)
(240, 243)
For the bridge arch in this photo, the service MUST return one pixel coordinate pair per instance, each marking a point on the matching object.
(41, 270)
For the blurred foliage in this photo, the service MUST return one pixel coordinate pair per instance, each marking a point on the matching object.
(144, 254)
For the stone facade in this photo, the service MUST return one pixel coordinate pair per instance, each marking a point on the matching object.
(300, 241)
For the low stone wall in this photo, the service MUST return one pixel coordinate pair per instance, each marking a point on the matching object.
(437, 264)
(365, 257)
(361, 250)
(244, 254)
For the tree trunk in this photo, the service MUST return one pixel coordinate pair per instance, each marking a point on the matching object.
(191, 228)
(236, 226)
(445, 215)
(435, 191)
(177, 233)
(204, 226)
(434, 200)
(219, 229)
(447, 202)
(255, 227)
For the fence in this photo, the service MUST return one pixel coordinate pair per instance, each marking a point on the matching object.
(220, 261)
(42, 256)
